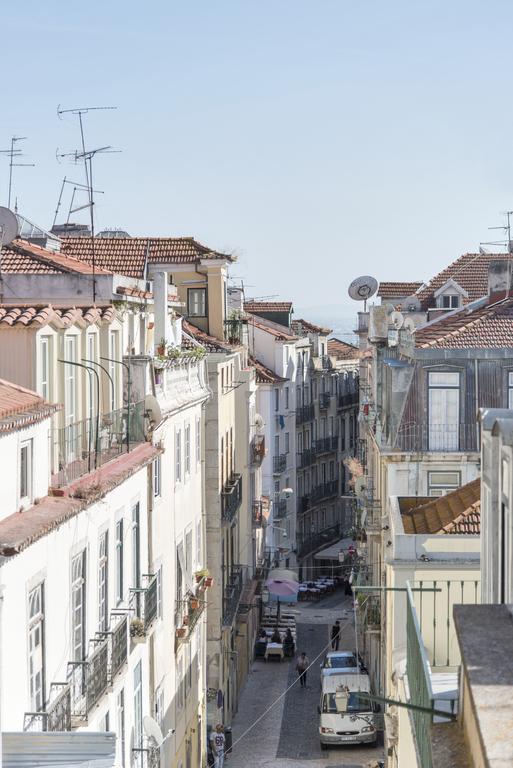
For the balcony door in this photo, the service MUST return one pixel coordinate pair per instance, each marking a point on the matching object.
(444, 411)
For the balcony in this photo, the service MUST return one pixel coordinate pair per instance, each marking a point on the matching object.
(305, 458)
(231, 498)
(315, 541)
(279, 463)
(326, 444)
(279, 509)
(190, 611)
(83, 446)
(259, 512)
(257, 450)
(144, 605)
(56, 716)
(88, 681)
(439, 438)
(348, 399)
(305, 413)
(118, 643)
(324, 400)
(236, 330)
(232, 593)
(325, 362)
(324, 491)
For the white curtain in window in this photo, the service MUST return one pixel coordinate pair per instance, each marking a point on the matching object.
(444, 411)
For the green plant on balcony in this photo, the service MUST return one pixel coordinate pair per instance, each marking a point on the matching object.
(137, 629)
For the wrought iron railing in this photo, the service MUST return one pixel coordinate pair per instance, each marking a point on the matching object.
(232, 593)
(279, 508)
(319, 539)
(279, 463)
(305, 458)
(323, 491)
(235, 330)
(88, 680)
(257, 450)
(118, 643)
(190, 610)
(144, 606)
(305, 413)
(435, 437)
(324, 400)
(325, 362)
(56, 716)
(83, 446)
(346, 399)
(231, 498)
(326, 444)
(257, 513)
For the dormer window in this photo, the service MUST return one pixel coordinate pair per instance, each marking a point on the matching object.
(450, 301)
(450, 295)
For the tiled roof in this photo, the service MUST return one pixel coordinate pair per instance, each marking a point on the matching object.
(486, 326)
(280, 332)
(129, 255)
(125, 290)
(210, 343)
(303, 327)
(265, 375)
(457, 512)
(470, 271)
(34, 316)
(393, 290)
(21, 257)
(20, 407)
(267, 306)
(342, 350)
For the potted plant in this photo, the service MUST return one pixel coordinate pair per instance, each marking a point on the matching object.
(161, 347)
(137, 632)
(209, 581)
(194, 603)
(185, 619)
(200, 575)
(181, 631)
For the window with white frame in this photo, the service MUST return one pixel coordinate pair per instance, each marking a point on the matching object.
(138, 710)
(120, 586)
(178, 455)
(36, 662)
(70, 379)
(120, 718)
(103, 582)
(114, 354)
(198, 441)
(197, 302)
(187, 440)
(78, 607)
(449, 301)
(45, 347)
(159, 706)
(286, 397)
(159, 591)
(287, 442)
(510, 389)
(276, 399)
(25, 476)
(157, 476)
(136, 547)
(440, 483)
(443, 410)
(198, 544)
(91, 355)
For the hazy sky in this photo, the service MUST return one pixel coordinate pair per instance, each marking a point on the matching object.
(318, 140)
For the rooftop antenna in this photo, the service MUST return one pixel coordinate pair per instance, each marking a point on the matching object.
(76, 185)
(507, 229)
(14, 155)
(87, 156)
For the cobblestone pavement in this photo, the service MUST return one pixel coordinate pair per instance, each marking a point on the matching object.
(287, 736)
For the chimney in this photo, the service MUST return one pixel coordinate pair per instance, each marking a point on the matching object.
(499, 277)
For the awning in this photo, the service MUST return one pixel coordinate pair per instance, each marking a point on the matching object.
(69, 749)
(332, 552)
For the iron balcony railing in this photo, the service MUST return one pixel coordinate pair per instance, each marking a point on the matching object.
(436, 437)
(190, 610)
(88, 681)
(257, 513)
(257, 450)
(57, 714)
(319, 539)
(279, 463)
(231, 498)
(83, 446)
(324, 400)
(347, 399)
(323, 491)
(118, 643)
(235, 330)
(305, 458)
(325, 362)
(326, 444)
(305, 413)
(143, 606)
(279, 509)
(232, 593)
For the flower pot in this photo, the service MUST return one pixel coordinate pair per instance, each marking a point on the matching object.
(194, 604)
(181, 632)
(185, 620)
(209, 581)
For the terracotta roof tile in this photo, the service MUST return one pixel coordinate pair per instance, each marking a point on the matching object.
(392, 290)
(457, 512)
(21, 257)
(20, 407)
(281, 333)
(28, 316)
(129, 255)
(265, 375)
(267, 306)
(342, 350)
(470, 271)
(210, 343)
(303, 328)
(125, 290)
(486, 326)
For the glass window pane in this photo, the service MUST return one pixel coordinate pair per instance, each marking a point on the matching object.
(444, 379)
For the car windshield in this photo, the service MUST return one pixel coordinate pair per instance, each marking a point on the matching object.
(337, 662)
(354, 704)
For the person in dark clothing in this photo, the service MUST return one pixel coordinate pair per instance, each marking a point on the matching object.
(302, 665)
(335, 635)
(276, 637)
(288, 644)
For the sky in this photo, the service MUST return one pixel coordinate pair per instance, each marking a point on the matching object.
(316, 140)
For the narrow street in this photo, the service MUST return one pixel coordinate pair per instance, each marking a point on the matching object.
(287, 736)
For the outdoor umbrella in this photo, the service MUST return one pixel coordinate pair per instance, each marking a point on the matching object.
(283, 586)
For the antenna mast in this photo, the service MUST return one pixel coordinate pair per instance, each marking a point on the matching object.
(507, 229)
(14, 154)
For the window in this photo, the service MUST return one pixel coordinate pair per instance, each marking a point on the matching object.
(198, 545)
(286, 397)
(159, 592)
(119, 562)
(91, 391)
(276, 399)
(45, 367)
(120, 712)
(440, 483)
(159, 706)
(136, 554)
(444, 410)
(188, 449)
(178, 455)
(450, 301)
(103, 582)
(197, 302)
(276, 445)
(114, 354)
(70, 391)
(78, 606)
(138, 714)
(510, 389)
(342, 434)
(287, 442)
(198, 441)
(188, 552)
(36, 648)
(156, 476)
(26, 470)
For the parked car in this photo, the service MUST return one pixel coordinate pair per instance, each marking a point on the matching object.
(345, 717)
(341, 662)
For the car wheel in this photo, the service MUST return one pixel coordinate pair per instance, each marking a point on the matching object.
(324, 746)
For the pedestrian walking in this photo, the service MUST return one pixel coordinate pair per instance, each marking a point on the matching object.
(335, 635)
(302, 665)
(217, 743)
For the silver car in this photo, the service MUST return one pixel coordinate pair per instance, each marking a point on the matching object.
(341, 662)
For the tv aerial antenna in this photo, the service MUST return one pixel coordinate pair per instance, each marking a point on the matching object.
(77, 187)
(506, 228)
(87, 156)
(362, 288)
(14, 155)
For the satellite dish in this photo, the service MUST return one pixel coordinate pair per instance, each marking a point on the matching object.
(408, 324)
(259, 421)
(397, 319)
(8, 226)
(152, 407)
(363, 288)
(412, 304)
(152, 730)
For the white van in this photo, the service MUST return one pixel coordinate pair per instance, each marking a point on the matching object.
(344, 717)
